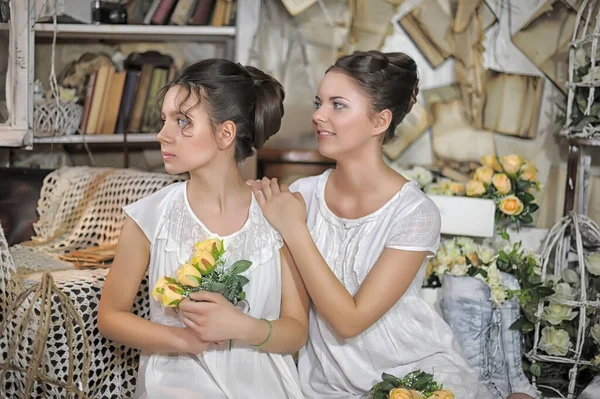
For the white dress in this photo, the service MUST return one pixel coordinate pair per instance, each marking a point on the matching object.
(410, 335)
(172, 229)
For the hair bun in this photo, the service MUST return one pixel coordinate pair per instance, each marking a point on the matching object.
(268, 109)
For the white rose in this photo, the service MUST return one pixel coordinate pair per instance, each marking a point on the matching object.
(440, 270)
(480, 277)
(580, 58)
(452, 255)
(434, 189)
(422, 175)
(556, 313)
(486, 255)
(498, 294)
(494, 276)
(564, 291)
(459, 269)
(593, 74)
(595, 333)
(537, 270)
(592, 262)
(570, 276)
(555, 342)
(467, 244)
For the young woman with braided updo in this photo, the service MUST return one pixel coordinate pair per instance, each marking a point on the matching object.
(360, 236)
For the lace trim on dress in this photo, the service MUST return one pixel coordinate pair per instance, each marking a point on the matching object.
(256, 242)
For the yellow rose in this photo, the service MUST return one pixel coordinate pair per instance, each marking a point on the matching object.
(172, 295)
(442, 394)
(528, 172)
(209, 245)
(416, 394)
(205, 261)
(457, 188)
(511, 205)
(502, 183)
(512, 163)
(492, 162)
(186, 274)
(484, 174)
(475, 188)
(159, 288)
(400, 393)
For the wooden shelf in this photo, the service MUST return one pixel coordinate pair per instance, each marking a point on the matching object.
(161, 33)
(98, 139)
(137, 32)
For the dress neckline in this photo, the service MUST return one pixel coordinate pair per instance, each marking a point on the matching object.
(211, 233)
(328, 213)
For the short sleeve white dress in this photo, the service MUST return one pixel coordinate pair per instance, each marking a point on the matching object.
(411, 335)
(172, 228)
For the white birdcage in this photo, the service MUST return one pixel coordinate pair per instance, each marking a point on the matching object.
(567, 244)
(583, 109)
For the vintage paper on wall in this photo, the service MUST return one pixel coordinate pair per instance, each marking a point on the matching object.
(430, 25)
(512, 104)
(453, 137)
(545, 38)
(412, 127)
(468, 53)
(369, 28)
(317, 28)
(295, 7)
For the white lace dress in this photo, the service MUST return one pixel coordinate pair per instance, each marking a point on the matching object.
(410, 335)
(172, 229)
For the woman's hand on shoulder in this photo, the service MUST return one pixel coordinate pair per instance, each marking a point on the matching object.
(283, 209)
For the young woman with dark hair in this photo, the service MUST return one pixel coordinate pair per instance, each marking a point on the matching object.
(215, 114)
(360, 236)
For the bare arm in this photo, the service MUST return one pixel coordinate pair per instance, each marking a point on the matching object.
(115, 320)
(349, 316)
(290, 331)
(215, 319)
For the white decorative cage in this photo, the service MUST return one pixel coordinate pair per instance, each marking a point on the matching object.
(584, 74)
(556, 249)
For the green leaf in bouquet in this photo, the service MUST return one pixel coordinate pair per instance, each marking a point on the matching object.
(527, 219)
(242, 296)
(240, 266)
(527, 197)
(533, 208)
(217, 287)
(243, 280)
(197, 267)
(523, 325)
(523, 185)
(175, 302)
(504, 235)
(171, 280)
(195, 278)
(390, 378)
(544, 291)
(178, 289)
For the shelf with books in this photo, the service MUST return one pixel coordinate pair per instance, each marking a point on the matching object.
(98, 139)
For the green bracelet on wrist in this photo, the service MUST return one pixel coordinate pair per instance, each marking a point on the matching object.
(268, 336)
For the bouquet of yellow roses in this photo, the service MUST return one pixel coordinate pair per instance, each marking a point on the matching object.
(511, 182)
(204, 271)
(415, 385)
